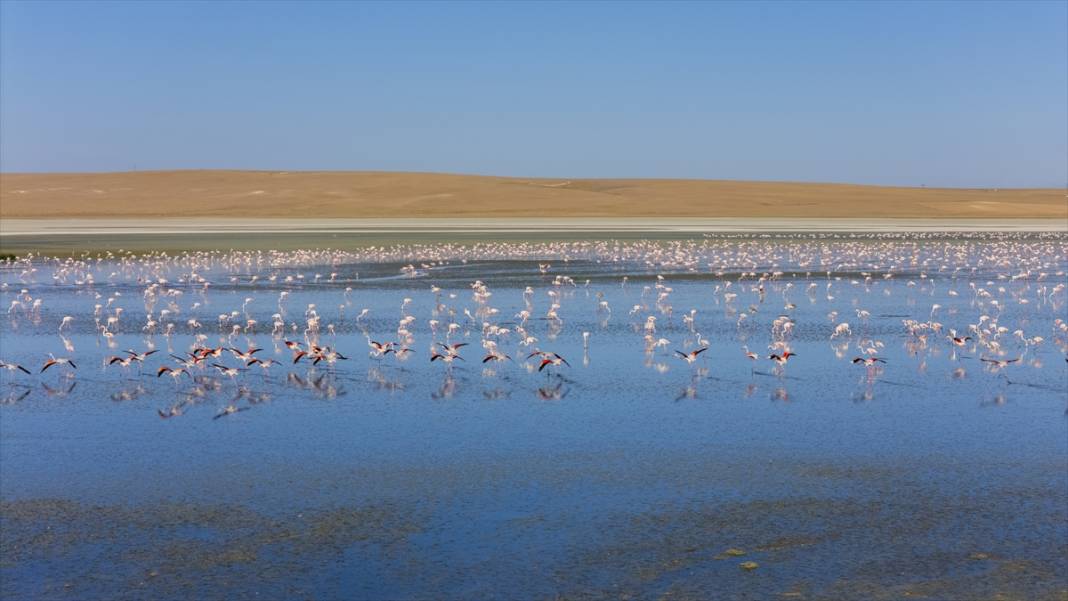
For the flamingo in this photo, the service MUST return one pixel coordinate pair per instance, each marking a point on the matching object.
(140, 357)
(548, 359)
(58, 361)
(868, 361)
(246, 356)
(450, 352)
(13, 367)
(783, 358)
(999, 363)
(173, 373)
(691, 357)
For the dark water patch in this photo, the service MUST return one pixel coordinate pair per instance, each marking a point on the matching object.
(53, 548)
(818, 548)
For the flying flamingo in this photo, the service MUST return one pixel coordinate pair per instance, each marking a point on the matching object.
(691, 357)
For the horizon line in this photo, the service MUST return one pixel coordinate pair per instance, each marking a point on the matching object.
(538, 177)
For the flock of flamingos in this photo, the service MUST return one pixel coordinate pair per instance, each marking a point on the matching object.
(997, 298)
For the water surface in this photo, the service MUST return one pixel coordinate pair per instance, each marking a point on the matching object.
(629, 473)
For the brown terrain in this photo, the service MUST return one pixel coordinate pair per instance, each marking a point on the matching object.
(309, 194)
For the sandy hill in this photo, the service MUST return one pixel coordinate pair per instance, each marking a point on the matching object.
(391, 195)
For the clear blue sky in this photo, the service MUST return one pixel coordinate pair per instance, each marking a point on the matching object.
(942, 94)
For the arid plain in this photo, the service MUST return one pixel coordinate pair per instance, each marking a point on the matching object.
(280, 194)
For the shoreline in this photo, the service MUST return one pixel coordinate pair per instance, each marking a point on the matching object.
(12, 227)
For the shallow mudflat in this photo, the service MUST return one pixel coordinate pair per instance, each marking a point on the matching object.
(627, 473)
(71, 236)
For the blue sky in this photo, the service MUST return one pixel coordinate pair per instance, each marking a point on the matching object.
(939, 94)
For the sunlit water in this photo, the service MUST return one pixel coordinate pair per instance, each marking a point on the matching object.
(627, 473)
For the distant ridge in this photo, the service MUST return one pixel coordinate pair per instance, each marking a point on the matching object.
(363, 195)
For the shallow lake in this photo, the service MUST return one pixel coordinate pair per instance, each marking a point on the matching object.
(628, 472)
